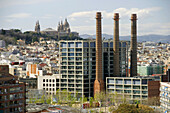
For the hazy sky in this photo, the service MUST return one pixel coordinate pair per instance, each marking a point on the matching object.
(153, 15)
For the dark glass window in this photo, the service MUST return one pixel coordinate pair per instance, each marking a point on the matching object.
(86, 44)
(92, 44)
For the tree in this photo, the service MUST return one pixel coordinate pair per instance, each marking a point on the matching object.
(42, 100)
(111, 108)
(3, 32)
(49, 99)
(91, 101)
(71, 35)
(58, 96)
(100, 97)
(128, 108)
(71, 99)
(154, 101)
(35, 39)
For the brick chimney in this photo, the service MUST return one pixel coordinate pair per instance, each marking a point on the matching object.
(98, 83)
(133, 67)
(116, 66)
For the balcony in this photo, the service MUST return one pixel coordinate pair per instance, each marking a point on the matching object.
(78, 77)
(78, 86)
(70, 85)
(164, 90)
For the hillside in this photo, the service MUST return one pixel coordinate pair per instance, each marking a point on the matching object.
(153, 38)
(11, 36)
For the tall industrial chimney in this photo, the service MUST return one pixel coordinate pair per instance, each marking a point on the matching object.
(133, 67)
(116, 66)
(98, 83)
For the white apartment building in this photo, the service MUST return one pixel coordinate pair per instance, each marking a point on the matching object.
(133, 88)
(165, 96)
(49, 83)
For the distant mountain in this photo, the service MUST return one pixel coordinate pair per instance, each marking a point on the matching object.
(153, 38)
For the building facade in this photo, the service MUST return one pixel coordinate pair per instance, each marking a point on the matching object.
(165, 96)
(149, 70)
(31, 82)
(2, 44)
(12, 93)
(63, 30)
(48, 83)
(133, 88)
(78, 64)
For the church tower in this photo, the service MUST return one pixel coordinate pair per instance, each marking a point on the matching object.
(37, 27)
(66, 26)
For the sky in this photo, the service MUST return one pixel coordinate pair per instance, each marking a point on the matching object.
(153, 15)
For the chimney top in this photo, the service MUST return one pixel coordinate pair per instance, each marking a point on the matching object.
(98, 15)
(133, 17)
(116, 16)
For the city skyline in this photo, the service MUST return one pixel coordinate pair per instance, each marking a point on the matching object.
(153, 16)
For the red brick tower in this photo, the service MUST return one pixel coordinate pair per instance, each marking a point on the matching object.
(116, 66)
(98, 83)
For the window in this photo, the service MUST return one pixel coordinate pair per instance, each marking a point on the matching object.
(110, 81)
(43, 80)
(46, 80)
(70, 54)
(71, 58)
(124, 44)
(86, 44)
(64, 58)
(71, 44)
(63, 44)
(106, 44)
(64, 50)
(78, 54)
(127, 81)
(63, 54)
(144, 81)
(119, 81)
(120, 44)
(71, 50)
(136, 81)
(92, 44)
(111, 44)
(78, 44)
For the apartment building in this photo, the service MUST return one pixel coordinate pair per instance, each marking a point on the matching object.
(78, 64)
(145, 70)
(31, 82)
(165, 96)
(12, 93)
(48, 83)
(133, 88)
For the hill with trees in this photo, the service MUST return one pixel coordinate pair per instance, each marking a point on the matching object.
(11, 36)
